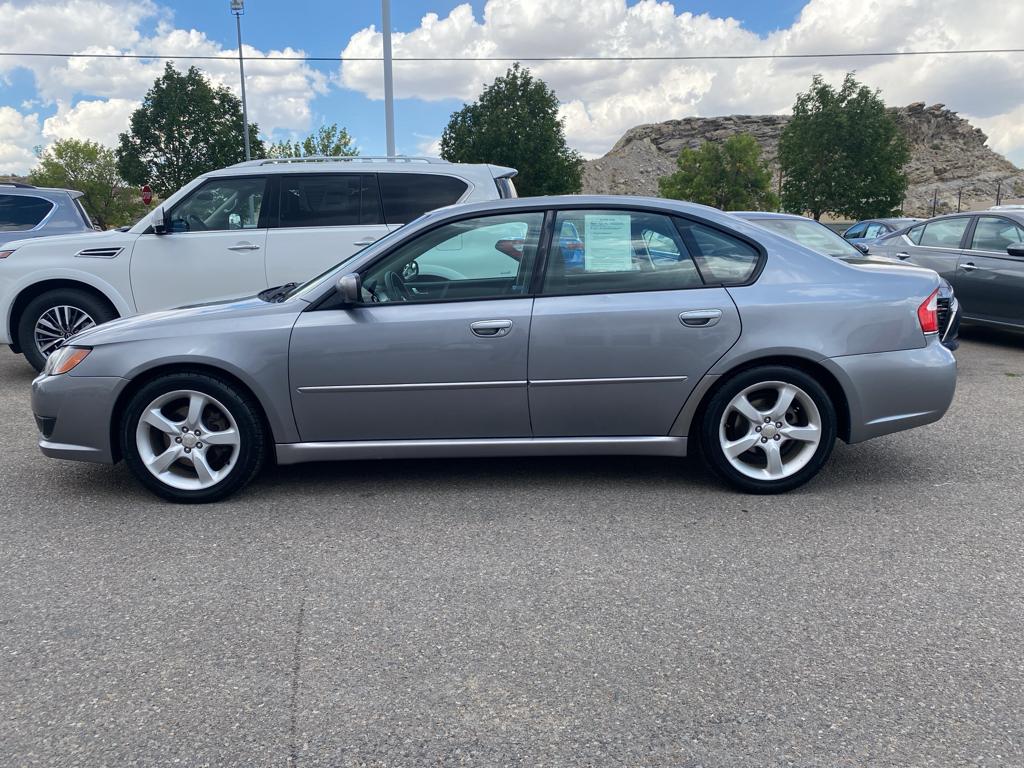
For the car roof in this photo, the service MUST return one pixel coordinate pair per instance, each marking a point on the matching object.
(769, 215)
(396, 164)
(17, 188)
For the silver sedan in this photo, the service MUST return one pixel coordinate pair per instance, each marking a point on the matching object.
(545, 326)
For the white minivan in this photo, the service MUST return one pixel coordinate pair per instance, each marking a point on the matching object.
(229, 233)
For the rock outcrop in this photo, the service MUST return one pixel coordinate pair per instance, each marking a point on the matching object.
(947, 155)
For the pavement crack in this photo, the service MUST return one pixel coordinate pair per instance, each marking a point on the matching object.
(293, 698)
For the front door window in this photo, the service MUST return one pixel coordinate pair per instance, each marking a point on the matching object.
(219, 205)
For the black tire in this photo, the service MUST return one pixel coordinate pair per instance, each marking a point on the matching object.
(252, 450)
(89, 303)
(711, 443)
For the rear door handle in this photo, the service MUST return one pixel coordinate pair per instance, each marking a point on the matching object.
(902, 255)
(366, 241)
(969, 266)
(243, 247)
(491, 328)
(700, 318)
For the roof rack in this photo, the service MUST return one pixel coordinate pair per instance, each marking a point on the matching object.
(17, 184)
(355, 159)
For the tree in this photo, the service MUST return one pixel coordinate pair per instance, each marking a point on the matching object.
(842, 153)
(728, 175)
(184, 128)
(91, 169)
(328, 141)
(515, 123)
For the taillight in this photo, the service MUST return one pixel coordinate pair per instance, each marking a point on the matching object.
(928, 313)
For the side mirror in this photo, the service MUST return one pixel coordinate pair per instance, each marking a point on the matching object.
(1017, 249)
(861, 247)
(350, 288)
(161, 221)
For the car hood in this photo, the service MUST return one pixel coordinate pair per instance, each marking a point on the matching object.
(214, 317)
(64, 243)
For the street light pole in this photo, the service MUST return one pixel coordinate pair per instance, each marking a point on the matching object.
(238, 8)
(389, 91)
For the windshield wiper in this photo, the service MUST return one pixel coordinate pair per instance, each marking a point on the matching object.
(277, 293)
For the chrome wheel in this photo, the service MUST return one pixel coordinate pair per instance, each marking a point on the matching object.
(770, 430)
(188, 440)
(59, 323)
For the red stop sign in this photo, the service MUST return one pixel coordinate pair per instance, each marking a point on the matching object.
(147, 194)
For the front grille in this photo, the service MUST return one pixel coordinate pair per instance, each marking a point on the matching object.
(944, 315)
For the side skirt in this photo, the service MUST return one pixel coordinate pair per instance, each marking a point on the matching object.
(296, 453)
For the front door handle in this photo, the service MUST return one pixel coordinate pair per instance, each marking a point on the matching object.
(366, 241)
(243, 247)
(903, 256)
(969, 266)
(491, 328)
(700, 318)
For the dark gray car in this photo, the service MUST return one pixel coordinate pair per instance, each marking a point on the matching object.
(981, 254)
(544, 326)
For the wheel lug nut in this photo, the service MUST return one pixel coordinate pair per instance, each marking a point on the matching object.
(767, 419)
(197, 433)
(757, 429)
(778, 424)
(185, 430)
(778, 437)
(188, 450)
(177, 439)
(199, 445)
(764, 439)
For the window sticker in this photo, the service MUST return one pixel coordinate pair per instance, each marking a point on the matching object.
(607, 246)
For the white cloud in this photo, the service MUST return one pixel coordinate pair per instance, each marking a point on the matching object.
(601, 100)
(101, 120)
(18, 135)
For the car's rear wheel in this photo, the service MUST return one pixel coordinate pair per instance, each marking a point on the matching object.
(192, 438)
(769, 429)
(52, 317)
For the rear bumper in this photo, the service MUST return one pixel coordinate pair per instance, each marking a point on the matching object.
(892, 391)
(74, 414)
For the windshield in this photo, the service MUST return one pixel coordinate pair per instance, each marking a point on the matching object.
(815, 236)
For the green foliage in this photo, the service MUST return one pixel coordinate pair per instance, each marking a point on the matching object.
(515, 123)
(184, 128)
(842, 153)
(91, 169)
(328, 141)
(729, 175)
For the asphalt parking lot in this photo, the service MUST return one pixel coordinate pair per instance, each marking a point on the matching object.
(543, 612)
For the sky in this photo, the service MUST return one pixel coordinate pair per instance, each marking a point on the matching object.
(45, 99)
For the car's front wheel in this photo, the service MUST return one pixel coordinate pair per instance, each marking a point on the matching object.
(52, 317)
(768, 429)
(192, 438)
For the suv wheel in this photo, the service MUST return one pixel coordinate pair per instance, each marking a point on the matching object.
(54, 316)
(192, 438)
(769, 429)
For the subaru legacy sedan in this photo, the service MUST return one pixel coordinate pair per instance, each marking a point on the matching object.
(544, 326)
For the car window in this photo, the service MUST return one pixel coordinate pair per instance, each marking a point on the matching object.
(875, 230)
(914, 234)
(407, 196)
(220, 204)
(943, 233)
(20, 213)
(613, 251)
(996, 234)
(722, 258)
(813, 234)
(483, 258)
(857, 230)
(329, 200)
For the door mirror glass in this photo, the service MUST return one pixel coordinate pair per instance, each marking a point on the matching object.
(350, 288)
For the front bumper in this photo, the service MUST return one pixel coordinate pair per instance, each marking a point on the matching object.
(74, 415)
(892, 391)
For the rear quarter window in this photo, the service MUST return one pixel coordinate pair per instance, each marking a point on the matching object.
(20, 213)
(407, 196)
(720, 257)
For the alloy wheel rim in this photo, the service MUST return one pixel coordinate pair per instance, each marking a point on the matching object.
(770, 431)
(57, 324)
(188, 440)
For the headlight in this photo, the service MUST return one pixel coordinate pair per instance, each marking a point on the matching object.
(65, 359)
(5, 254)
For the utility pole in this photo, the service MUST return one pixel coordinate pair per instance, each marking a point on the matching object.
(389, 90)
(238, 8)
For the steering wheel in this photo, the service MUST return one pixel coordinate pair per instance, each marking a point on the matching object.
(396, 286)
(195, 224)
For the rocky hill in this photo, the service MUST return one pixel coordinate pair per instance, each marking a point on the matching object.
(947, 154)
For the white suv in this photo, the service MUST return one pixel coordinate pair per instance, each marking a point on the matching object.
(229, 233)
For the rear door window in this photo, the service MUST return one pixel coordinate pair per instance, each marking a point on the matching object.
(407, 196)
(857, 230)
(875, 230)
(20, 213)
(329, 200)
(944, 233)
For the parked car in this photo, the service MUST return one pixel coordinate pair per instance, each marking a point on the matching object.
(981, 254)
(872, 229)
(745, 343)
(822, 239)
(227, 234)
(28, 212)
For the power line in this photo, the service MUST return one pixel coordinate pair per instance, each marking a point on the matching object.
(453, 59)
